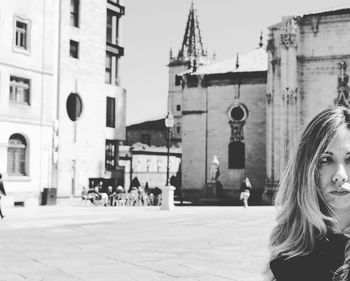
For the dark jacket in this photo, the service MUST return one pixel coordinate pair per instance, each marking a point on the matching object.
(2, 189)
(319, 265)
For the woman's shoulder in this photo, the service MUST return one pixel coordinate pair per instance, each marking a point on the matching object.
(286, 268)
(326, 257)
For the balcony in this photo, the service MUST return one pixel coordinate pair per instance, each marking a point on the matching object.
(114, 49)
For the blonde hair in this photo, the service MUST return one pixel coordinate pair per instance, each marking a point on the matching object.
(303, 214)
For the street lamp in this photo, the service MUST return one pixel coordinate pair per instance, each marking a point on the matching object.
(169, 123)
(168, 190)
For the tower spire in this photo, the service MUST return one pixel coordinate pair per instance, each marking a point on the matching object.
(261, 39)
(192, 45)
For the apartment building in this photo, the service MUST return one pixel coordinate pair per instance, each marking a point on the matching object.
(62, 107)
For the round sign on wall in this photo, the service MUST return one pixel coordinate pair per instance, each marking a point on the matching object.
(74, 106)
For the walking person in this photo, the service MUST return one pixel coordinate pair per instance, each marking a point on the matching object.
(2, 193)
(311, 239)
(246, 186)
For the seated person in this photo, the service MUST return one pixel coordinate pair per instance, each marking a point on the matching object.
(94, 194)
(111, 196)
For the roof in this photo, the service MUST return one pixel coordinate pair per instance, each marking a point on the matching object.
(138, 146)
(333, 10)
(125, 150)
(329, 11)
(158, 124)
(253, 61)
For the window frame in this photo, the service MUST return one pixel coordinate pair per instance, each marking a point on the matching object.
(27, 34)
(111, 154)
(74, 13)
(75, 44)
(110, 112)
(108, 68)
(16, 90)
(17, 156)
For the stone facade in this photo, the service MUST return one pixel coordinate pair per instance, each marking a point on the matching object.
(308, 56)
(206, 92)
(208, 132)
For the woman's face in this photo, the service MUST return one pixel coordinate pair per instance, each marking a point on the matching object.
(334, 172)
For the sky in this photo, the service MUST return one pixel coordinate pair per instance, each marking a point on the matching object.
(150, 28)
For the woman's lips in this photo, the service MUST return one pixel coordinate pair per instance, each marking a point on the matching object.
(343, 190)
(340, 192)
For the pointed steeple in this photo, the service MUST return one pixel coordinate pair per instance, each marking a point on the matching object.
(261, 40)
(192, 45)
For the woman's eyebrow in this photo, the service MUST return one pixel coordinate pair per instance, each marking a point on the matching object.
(329, 152)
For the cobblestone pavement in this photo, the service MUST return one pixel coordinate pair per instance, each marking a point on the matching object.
(84, 242)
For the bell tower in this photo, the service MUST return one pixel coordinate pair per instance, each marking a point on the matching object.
(188, 58)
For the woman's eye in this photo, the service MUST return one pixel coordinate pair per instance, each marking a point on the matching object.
(326, 159)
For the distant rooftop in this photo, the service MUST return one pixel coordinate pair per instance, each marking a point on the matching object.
(124, 150)
(332, 10)
(157, 124)
(253, 61)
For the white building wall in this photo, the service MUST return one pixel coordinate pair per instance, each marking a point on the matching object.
(34, 121)
(82, 143)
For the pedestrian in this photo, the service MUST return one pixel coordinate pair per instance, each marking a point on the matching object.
(245, 192)
(310, 241)
(84, 194)
(2, 193)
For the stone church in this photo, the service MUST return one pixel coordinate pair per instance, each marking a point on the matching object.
(238, 118)
(220, 113)
(308, 57)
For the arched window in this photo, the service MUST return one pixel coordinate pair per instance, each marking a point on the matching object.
(16, 155)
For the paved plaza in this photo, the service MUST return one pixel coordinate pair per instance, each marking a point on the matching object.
(83, 242)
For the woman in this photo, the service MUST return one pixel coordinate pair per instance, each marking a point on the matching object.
(311, 238)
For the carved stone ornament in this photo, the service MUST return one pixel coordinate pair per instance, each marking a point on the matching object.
(288, 35)
(236, 131)
(315, 20)
(269, 98)
(237, 114)
(290, 96)
(343, 88)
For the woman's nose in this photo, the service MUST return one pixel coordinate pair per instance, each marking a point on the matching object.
(340, 175)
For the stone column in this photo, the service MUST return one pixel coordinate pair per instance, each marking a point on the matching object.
(167, 198)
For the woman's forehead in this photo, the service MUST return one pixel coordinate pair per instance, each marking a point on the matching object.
(341, 141)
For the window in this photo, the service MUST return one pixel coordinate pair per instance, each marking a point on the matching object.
(21, 35)
(16, 155)
(74, 49)
(146, 139)
(109, 26)
(178, 107)
(111, 155)
(112, 27)
(116, 71)
(108, 72)
(110, 112)
(74, 13)
(19, 90)
(178, 129)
